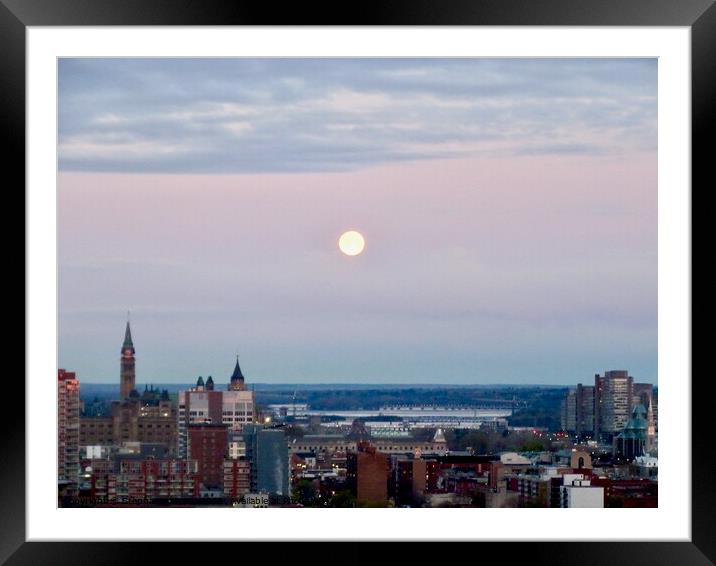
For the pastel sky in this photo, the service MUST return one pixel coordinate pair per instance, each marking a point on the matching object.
(509, 208)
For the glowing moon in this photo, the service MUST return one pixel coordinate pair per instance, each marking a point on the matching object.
(351, 243)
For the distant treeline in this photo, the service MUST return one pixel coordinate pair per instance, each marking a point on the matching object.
(111, 390)
(542, 409)
(372, 399)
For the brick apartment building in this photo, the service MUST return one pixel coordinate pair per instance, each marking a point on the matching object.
(367, 474)
(207, 444)
(146, 480)
(237, 478)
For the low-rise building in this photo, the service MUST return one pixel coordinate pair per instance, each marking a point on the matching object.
(577, 491)
(149, 480)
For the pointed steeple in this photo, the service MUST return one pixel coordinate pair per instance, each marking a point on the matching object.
(128, 345)
(237, 371)
(127, 376)
(237, 378)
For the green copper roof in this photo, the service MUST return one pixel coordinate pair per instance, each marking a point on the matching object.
(128, 339)
(637, 425)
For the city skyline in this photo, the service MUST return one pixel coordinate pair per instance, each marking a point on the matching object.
(508, 207)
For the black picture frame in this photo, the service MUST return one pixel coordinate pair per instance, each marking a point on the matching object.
(698, 15)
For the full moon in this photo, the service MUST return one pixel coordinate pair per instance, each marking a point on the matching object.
(351, 243)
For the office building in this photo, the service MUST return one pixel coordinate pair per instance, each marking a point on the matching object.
(578, 411)
(614, 398)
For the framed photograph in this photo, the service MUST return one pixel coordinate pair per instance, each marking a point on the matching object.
(451, 244)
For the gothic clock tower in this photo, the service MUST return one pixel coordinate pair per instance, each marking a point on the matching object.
(126, 374)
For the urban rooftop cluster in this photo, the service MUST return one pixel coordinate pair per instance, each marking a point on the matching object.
(210, 445)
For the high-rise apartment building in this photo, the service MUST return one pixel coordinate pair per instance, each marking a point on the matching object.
(578, 411)
(68, 432)
(615, 401)
(585, 409)
(569, 411)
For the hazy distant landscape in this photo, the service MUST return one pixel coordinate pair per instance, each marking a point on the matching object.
(108, 388)
(533, 405)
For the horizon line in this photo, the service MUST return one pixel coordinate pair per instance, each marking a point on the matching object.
(362, 383)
